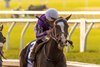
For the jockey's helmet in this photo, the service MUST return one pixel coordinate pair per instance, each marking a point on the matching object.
(51, 14)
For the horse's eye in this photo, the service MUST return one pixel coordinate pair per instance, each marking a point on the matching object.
(57, 35)
(68, 26)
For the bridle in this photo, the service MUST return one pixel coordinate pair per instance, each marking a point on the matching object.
(54, 34)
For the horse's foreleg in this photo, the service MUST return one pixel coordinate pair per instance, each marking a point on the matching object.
(22, 59)
(23, 62)
(62, 63)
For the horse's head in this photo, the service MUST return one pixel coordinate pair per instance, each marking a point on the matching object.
(2, 38)
(60, 31)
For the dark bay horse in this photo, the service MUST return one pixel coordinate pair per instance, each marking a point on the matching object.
(51, 54)
(36, 8)
(2, 41)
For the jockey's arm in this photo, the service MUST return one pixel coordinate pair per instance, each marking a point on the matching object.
(40, 33)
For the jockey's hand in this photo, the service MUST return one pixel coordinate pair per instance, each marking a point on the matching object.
(49, 31)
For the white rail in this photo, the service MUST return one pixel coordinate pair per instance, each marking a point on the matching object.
(60, 12)
(11, 63)
(83, 22)
(34, 20)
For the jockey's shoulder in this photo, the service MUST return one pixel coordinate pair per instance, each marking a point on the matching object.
(42, 21)
(42, 16)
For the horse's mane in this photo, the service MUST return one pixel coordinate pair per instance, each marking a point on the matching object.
(60, 19)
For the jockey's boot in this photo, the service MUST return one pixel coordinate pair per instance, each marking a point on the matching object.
(35, 50)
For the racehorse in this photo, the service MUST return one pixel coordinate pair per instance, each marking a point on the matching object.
(16, 15)
(36, 8)
(2, 41)
(51, 52)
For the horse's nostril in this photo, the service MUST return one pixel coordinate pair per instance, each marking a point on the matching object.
(66, 34)
(57, 35)
(59, 40)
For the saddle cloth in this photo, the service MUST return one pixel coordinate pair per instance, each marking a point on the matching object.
(30, 48)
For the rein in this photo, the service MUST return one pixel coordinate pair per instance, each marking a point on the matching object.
(53, 35)
(46, 55)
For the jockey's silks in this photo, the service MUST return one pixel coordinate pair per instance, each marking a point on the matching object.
(41, 27)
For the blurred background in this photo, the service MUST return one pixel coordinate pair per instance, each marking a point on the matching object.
(92, 54)
(61, 5)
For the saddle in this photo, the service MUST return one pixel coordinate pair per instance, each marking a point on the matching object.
(33, 47)
(40, 46)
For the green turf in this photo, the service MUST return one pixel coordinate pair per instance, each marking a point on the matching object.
(93, 48)
(92, 52)
(14, 44)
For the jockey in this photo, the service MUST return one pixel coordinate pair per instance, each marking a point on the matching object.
(43, 28)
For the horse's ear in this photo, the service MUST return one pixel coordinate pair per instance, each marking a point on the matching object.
(67, 18)
(1, 27)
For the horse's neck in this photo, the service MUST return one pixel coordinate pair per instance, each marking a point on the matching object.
(52, 49)
(1, 34)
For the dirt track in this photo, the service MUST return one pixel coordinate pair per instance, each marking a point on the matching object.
(15, 63)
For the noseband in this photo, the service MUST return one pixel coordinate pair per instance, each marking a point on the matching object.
(53, 35)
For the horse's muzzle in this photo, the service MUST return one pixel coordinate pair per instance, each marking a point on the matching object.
(70, 42)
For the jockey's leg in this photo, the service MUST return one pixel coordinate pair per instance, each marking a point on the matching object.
(34, 51)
